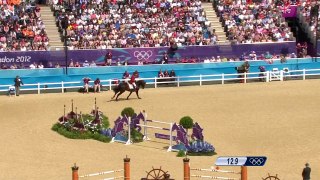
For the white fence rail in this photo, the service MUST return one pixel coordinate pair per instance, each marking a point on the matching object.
(219, 78)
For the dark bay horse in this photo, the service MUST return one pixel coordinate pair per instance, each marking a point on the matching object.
(123, 86)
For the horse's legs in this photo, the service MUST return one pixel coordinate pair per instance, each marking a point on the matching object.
(137, 92)
(119, 95)
(114, 95)
(129, 95)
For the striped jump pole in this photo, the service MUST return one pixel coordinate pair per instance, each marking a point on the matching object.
(187, 169)
(126, 170)
(146, 126)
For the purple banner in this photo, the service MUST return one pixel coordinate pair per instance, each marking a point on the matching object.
(289, 11)
(164, 136)
(133, 55)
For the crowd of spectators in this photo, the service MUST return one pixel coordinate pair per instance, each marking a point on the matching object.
(21, 28)
(254, 22)
(308, 9)
(96, 24)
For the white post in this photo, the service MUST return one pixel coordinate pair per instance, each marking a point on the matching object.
(267, 74)
(110, 84)
(222, 78)
(62, 87)
(145, 133)
(178, 81)
(200, 80)
(170, 146)
(129, 132)
(155, 82)
(304, 74)
(281, 75)
(38, 88)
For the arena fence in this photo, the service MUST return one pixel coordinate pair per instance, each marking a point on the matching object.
(125, 170)
(187, 172)
(267, 76)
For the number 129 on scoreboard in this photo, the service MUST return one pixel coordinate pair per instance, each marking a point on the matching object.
(241, 161)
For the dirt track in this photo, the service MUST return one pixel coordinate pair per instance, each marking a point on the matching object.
(279, 120)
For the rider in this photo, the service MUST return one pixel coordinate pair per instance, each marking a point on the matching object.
(133, 79)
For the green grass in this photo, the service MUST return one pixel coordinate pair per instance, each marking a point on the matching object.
(73, 134)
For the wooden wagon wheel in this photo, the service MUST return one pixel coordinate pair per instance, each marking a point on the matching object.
(271, 177)
(157, 174)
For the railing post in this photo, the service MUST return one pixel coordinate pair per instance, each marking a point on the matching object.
(178, 81)
(75, 175)
(62, 87)
(186, 169)
(304, 74)
(267, 76)
(222, 78)
(244, 173)
(110, 84)
(155, 82)
(126, 168)
(38, 88)
(245, 77)
(200, 80)
(281, 75)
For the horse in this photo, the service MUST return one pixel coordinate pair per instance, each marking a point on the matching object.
(123, 86)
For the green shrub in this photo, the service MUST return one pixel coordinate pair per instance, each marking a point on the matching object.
(136, 136)
(186, 122)
(181, 153)
(128, 111)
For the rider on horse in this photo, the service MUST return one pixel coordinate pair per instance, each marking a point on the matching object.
(133, 79)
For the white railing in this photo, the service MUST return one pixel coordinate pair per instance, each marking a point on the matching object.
(219, 78)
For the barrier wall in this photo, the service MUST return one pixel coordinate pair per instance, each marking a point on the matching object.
(132, 55)
(146, 71)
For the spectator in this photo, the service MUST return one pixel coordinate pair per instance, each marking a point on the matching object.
(97, 85)
(108, 59)
(17, 84)
(57, 65)
(32, 66)
(85, 64)
(77, 64)
(50, 65)
(306, 172)
(165, 58)
(172, 73)
(86, 81)
(160, 74)
(71, 64)
(166, 73)
(13, 66)
(93, 64)
(40, 66)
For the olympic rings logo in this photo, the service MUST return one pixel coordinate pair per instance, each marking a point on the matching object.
(256, 161)
(142, 55)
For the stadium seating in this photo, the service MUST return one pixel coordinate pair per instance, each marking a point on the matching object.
(21, 28)
(139, 24)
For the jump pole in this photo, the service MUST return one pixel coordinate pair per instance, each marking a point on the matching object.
(145, 129)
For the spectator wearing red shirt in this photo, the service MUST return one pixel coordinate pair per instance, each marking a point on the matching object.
(97, 85)
(108, 59)
(86, 81)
